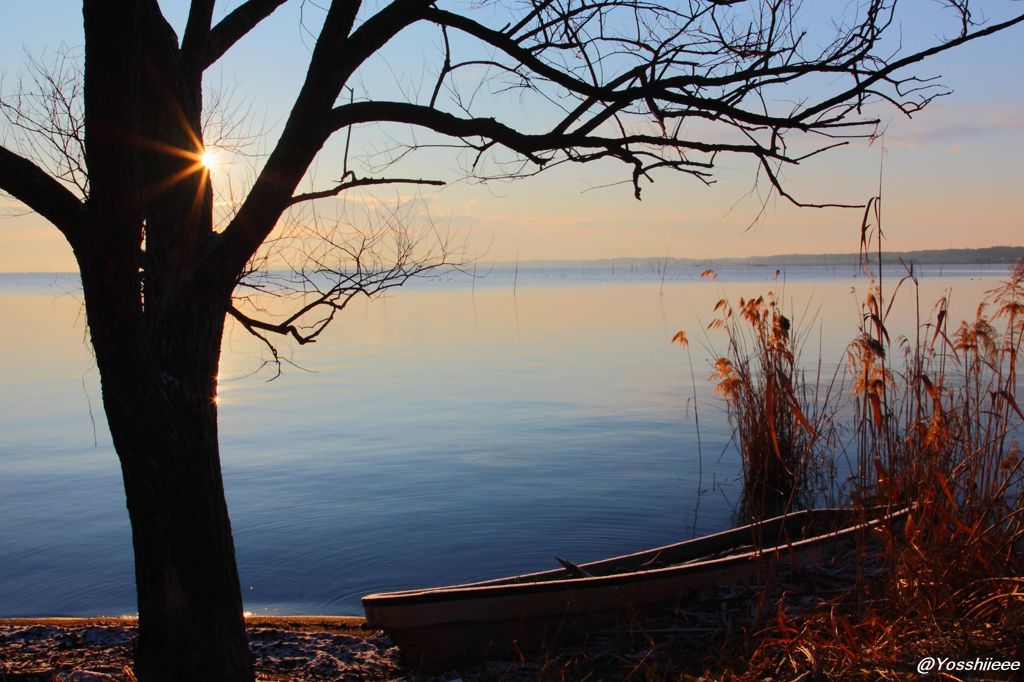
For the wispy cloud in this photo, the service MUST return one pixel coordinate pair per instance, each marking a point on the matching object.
(954, 128)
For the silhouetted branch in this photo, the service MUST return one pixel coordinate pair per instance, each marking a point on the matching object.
(313, 270)
(654, 86)
(231, 28)
(200, 18)
(773, 178)
(360, 182)
(531, 146)
(46, 119)
(885, 73)
(35, 188)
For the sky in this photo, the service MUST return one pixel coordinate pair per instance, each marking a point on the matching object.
(950, 177)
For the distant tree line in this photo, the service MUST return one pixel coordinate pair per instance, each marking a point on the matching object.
(989, 255)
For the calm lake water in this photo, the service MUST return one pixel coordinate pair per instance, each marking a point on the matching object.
(446, 433)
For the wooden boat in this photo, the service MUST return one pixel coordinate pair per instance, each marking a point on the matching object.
(438, 625)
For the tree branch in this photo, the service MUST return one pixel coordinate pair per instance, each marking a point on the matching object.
(233, 27)
(359, 182)
(27, 183)
(777, 185)
(527, 144)
(884, 73)
(284, 328)
(200, 18)
(338, 53)
(331, 267)
(627, 75)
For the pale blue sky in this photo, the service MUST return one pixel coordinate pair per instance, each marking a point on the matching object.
(952, 175)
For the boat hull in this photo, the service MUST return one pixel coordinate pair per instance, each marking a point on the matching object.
(524, 614)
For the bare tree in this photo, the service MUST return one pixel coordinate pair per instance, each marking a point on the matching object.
(654, 86)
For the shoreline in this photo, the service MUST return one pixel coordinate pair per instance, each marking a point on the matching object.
(294, 622)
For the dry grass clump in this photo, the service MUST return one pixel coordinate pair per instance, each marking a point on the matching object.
(936, 423)
(841, 640)
(782, 419)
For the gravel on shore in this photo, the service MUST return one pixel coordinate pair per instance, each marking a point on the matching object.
(284, 648)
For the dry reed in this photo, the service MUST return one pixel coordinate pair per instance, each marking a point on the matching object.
(936, 422)
(783, 420)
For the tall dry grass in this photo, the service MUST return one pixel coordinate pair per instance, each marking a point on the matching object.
(783, 419)
(936, 422)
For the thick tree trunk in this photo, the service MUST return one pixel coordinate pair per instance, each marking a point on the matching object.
(159, 388)
(190, 607)
(155, 303)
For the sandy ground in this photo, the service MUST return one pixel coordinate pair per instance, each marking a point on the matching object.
(306, 649)
(284, 648)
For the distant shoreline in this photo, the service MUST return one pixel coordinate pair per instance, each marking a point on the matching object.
(991, 255)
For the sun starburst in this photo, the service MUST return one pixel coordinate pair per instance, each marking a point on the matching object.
(209, 159)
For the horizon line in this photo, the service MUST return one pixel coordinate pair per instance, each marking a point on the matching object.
(1016, 252)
